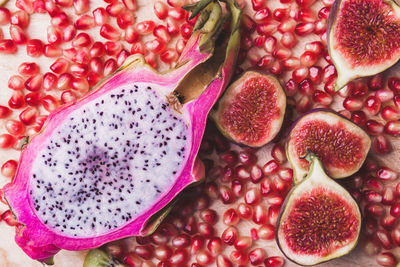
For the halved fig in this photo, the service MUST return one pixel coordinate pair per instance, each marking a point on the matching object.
(319, 220)
(341, 144)
(251, 110)
(363, 38)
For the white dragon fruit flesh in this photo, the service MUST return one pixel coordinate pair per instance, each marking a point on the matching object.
(107, 166)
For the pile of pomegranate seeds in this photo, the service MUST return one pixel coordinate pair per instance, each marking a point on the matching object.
(230, 219)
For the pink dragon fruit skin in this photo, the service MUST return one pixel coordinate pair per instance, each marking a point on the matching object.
(41, 241)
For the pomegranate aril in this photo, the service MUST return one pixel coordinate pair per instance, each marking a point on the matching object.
(383, 237)
(28, 116)
(5, 16)
(81, 6)
(14, 127)
(52, 50)
(179, 257)
(172, 26)
(100, 16)
(6, 141)
(49, 103)
(186, 31)
(223, 261)
(177, 14)
(51, 7)
(266, 232)
(229, 235)
(82, 40)
(34, 83)
(300, 74)
(16, 82)
(60, 20)
(287, 25)
(394, 84)
(385, 173)
(125, 19)
(372, 105)
(68, 97)
(4, 112)
(389, 113)
(392, 128)
(267, 28)
(275, 261)
(359, 117)
(386, 259)
(20, 18)
(262, 15)
(110, 66)
(68, 33)
(84, 22)
(304, 28)
(131, 35)
(304, 104)
(162, 252)
(54, 35)
(79, 70)
(260, 214)
(115, 8)
(155, 46)
(17, 34)
(34, 48)
(374, 209)
(384, 95)
(33, 99)
(244, 211)
(280, 14)
(352, 103)
(145, 27)
(388, 222)
(168, 56)
(28, 69)
(9, 218)
(113, 48)
(109, 32)
(291, 87)
(81, 85)
(238, 257)
(257, 256)
(16, 100)
(306, 87)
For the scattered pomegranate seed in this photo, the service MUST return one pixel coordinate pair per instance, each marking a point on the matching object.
(68, 33)
(20, 18)
(287, 25)
(386, 259)
(100, 16)
(60, 20)
(49, 103)
(52, 50)
(9, 218)
(7, 46)
(145, 27)
(84, 22)
(238, 257)
(392, 127)
(5, 16)
(16, 100)
(352, 103)
(275, 261)
(6, 141)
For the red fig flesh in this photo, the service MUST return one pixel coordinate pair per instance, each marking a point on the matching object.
(319, 220)
(363, 37)
(252, 109)
(340, 144)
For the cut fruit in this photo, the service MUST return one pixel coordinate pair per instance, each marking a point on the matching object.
(252, 109)
(341, 145)
(319, 220)
(363, 38)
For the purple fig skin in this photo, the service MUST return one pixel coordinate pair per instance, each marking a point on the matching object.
(285, 203)
(297, 179)
(341, 66)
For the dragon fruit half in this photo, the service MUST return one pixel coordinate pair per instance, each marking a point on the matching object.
(107, 166)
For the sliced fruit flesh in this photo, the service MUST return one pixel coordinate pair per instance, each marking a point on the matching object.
(335, 145)
(368, 32)
(248, 117)
(320, 222)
